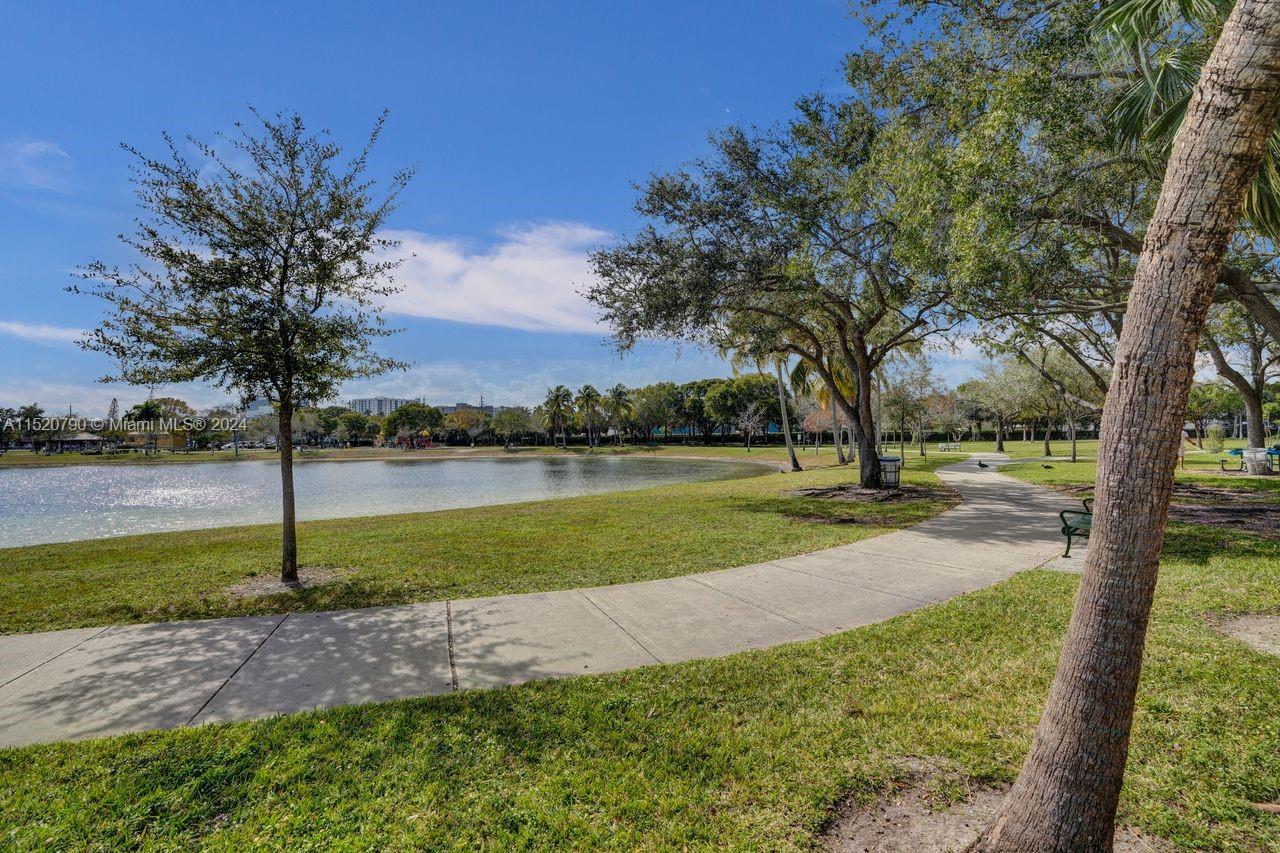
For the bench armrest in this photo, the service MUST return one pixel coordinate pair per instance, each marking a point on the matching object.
(1088, 505)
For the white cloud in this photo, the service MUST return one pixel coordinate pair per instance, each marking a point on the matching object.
(39, 332)
(529, 280)
(35, 163)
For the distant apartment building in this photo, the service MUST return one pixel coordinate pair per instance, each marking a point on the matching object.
(381, 406)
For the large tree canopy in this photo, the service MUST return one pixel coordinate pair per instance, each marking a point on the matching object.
(782, 244)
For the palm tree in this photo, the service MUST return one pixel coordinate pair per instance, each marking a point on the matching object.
(783, 405)
(149, 411)
(557, 409)
(1066, 796)
(588, 407)
(805, 380)
(618, 407)
(1157, 45)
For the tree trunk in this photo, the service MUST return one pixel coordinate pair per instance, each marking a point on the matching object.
(786, 420)
(999, 434)
(1250, 392)
(869, 474)
(1199, 434)
(1072, 427)
(1048, 429)
(1066, 795)
(835, 437)
(289, 527)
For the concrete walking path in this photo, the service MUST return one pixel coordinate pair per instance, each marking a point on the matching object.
(88, 682)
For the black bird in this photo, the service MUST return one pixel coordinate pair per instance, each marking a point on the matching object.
(1047, 467)
(982, 464)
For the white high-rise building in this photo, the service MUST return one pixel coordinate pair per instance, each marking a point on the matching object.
(381, 406)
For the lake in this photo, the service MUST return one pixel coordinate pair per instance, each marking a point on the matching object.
(64, 503)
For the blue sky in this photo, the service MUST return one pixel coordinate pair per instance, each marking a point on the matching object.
(527, 123)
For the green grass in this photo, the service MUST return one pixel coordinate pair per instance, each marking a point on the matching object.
(1061, 449)
(745, 752)
(1200, 471)
(556, 544)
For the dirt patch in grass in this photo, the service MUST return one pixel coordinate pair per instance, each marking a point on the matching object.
(308, 577)
(850, 493)
(1261, 519)
(933, 810)
(856, 494)
(1247, 510)
(1260, 633)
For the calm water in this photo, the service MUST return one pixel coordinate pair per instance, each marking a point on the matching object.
(91, 501)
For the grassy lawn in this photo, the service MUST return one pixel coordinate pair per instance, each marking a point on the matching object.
(1198, 470)
(1085, 449)
(556, 544)
(746, 752)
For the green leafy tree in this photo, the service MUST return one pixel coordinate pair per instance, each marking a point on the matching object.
(261, 270)
(354, 425)
(511, 423)
(742, 399)
(783, 243)
(1207, 401)
(410, 422)
(470, 423)
(1243, 354)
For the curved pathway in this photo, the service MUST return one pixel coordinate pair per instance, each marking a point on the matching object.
(63, 685)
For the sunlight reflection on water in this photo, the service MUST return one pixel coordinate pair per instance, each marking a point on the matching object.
(64, 503)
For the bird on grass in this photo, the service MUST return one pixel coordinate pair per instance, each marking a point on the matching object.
(1047, 467)
(982, 464)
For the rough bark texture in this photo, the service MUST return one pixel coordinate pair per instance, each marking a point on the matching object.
(289, 549)
(869, 474)
(1066, 796)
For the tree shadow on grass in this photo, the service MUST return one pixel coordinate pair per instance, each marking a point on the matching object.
(835, 511)
(1199, 543)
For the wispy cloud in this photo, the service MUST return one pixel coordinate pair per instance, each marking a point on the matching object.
(528, 280)
(41, 333)
(35, 164)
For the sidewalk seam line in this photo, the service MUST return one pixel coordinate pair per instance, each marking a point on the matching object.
(862, 586)
(236, 671)
(751, 603)
(58, 655)
(448, 628)
(609, 616)
(929, 563)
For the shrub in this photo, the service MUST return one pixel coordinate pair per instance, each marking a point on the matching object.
(1213, 439)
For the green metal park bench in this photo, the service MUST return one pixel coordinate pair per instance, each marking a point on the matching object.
(1076, 523)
